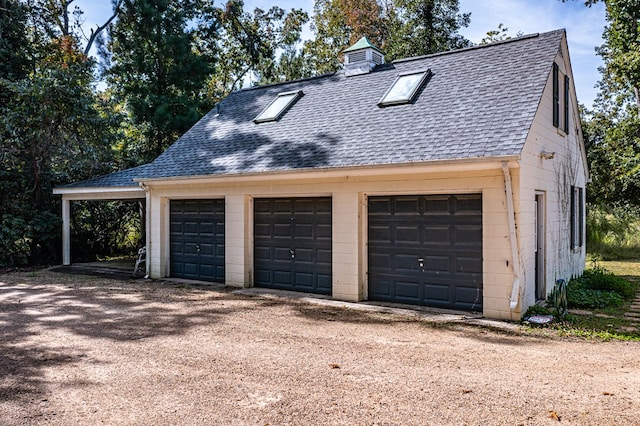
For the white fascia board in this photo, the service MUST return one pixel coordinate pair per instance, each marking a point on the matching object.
(439, 166)
(101, 193)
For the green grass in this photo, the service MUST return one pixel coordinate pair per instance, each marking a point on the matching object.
(604, 323)
(613, 233)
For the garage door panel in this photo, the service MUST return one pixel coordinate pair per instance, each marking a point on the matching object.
(324, 256)
(406, 205)
(468, 235)
(409, 234)
(304, 230)
(437, 292)
(468, 298)
(281, 254)
(323, 283)
(281, 230)
(262, 230)
(405, 262)
(197, 239)
(323, 231)
(282, 278)
(438, 234)
(381, 287)
(469, 264)
(445, 231)
(282, 206)
(293, 240)
(437, 263)
(207, 228)
(379, 261)
(379, 205)
(407, 290)
(304, 206)
(379, 233)
(470, 205)
(437, 205)
(304, 280)
(262, 274)
(304, 255)
(190, 228)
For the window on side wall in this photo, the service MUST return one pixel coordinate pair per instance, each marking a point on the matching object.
(560, 99)
(577, 217)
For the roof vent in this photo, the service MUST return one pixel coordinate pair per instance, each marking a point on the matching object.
(362, 58)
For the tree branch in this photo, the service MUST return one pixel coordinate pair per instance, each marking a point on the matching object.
(94, 33)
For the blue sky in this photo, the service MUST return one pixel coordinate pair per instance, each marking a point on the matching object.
(584, 27)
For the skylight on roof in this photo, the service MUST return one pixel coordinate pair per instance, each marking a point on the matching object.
(405, 88)
(278, 106)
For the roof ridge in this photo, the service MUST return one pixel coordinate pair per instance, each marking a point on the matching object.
(280, 83)
(476, 47)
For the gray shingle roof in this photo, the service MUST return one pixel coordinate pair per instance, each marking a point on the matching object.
(121, 178)
(479, 102)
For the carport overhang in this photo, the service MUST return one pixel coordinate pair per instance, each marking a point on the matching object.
(90, 194)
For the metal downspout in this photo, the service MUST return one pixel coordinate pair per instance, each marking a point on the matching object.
(147, 226)
(515, 257)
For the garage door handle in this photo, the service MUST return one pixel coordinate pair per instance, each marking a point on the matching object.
(198, 248)
(421, 264)
(293, 253)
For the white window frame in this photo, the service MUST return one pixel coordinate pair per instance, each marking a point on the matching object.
(384, 101)
(267, 115)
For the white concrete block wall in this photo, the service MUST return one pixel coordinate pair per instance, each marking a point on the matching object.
(346, 251)
(238, 257)
(553, 177)
(349, 195)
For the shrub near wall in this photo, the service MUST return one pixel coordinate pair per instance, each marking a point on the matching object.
(598, 288)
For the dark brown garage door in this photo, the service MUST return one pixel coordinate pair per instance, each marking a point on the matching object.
(426, 250)
(197, 239)
(292, 241)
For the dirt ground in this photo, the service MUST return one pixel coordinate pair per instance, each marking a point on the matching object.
(89, 350)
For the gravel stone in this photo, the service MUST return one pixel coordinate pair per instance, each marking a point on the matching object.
(78, 350)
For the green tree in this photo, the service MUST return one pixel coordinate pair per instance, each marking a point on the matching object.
(612, 128)
(156, 72)
(51, 129)
(337, 24)
(500, 34)
(401, 28)
(421, 27)
(244, 46)
(15, 55)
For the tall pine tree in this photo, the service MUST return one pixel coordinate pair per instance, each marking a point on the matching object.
(156, 72)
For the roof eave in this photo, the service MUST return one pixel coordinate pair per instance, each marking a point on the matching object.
(431, 166)
(101, 192)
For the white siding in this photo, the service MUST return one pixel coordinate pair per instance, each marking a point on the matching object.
(554, 178)
(349, 224)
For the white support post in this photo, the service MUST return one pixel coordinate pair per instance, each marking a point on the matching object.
(66, 231)
(147, 231)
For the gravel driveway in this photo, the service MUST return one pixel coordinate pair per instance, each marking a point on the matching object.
(86, 350)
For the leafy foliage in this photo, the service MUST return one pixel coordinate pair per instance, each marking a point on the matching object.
(598, 288)
(421, 27)
(14, 53)
(601, 279)
(536, 310)
(245, 45)
(338, 24)
(613, 232)
(612, 129)
(403, 28)
(155, 71)
(593, 299)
